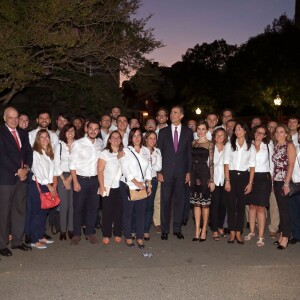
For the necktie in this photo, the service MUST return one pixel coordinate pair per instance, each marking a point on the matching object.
(175, 140)
(16, 138)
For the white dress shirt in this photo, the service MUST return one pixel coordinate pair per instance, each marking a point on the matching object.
(296, 172)
(84, 156)
(124, 140)
(264, 161)
(241, 159)
(61, 158)
(178, 130)
(113, 127)
(295, 138)
(130, 167)
(42, 168)
(11, 131)
(53, 137)
(218, 167)
(112, 171)
(155, 161)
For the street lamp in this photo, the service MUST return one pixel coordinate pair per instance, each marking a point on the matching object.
(277, 102)
(198, 111)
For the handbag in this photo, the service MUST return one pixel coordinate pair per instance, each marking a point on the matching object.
(47, 200)
(294, 186)
(137, 194)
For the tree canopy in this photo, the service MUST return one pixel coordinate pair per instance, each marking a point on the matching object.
(56, 39)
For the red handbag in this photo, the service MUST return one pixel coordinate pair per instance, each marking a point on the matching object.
(47, 200)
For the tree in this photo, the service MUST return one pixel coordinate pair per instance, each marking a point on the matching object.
(56, 39)
(212, 56)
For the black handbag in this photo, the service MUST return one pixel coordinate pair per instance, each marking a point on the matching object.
(294, 186)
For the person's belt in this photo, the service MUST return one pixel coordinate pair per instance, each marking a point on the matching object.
(87, 177)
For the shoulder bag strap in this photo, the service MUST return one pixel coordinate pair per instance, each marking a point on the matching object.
(138, 163)
(38, 186)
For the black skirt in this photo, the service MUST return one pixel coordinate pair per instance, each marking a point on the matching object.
(261, 190)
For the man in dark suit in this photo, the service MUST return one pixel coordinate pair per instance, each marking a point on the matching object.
(175, 144)
(15, 161)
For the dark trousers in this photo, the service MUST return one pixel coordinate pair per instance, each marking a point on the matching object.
(38, 216)
(150, 206)
(237, 200)
(112, 212)
(65, 206)
(217, 208)
(283, 207)
(172, 196)
(12, 213)
(187, 205)
(86, 201)
(128, 206)
(294, 207)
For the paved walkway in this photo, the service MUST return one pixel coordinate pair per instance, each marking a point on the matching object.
(180, 269)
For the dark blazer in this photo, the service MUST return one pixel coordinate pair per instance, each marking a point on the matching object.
(179, 163)
(11, 157)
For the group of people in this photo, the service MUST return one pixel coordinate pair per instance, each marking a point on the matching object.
(142, 177)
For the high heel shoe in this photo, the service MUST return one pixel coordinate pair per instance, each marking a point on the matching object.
(130, 245)
(230, 241)
(281, 247)
(201, 239)
(276, 243)
(147, 238)
(63, 236)
(195, 239)
(240, 242)
(140, 244)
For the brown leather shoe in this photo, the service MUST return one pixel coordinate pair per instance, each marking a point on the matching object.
(75, 240)
(92, 239)
(157, 229)
(272, 235)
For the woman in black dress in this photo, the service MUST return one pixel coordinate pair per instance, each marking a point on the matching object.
(202, 183)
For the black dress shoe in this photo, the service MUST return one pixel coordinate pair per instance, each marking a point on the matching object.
(70, 234)
(240, 242)
(184, 223)
(48, 237)
(164, 236)
(293, 241)
(22, 247)
(230, 241)
(5, 252)
(27, 239)
(179, 235)
(195, 239)
(63, 236)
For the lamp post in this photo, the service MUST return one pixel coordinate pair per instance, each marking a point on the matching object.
(198, 111)
(277, 102)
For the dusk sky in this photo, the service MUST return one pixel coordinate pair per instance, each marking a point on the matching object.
(181, 24)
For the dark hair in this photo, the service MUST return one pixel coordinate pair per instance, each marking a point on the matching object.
(105, 115)
(293, 117)
(267, 137)
(147, 134)
(41, 112)
(247, 136)
(38, 147)
(23, 114)
(64, 130)
(231, 120)
(92, 122)
(202, 122)
(64, 115)
(215, 133)
(227, 109)
(164, 109)
(180, 108)
(108, 145)
(121, 116)
(131, 134)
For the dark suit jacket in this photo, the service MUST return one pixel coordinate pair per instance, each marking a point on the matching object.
(179, 163)
(11, 157)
